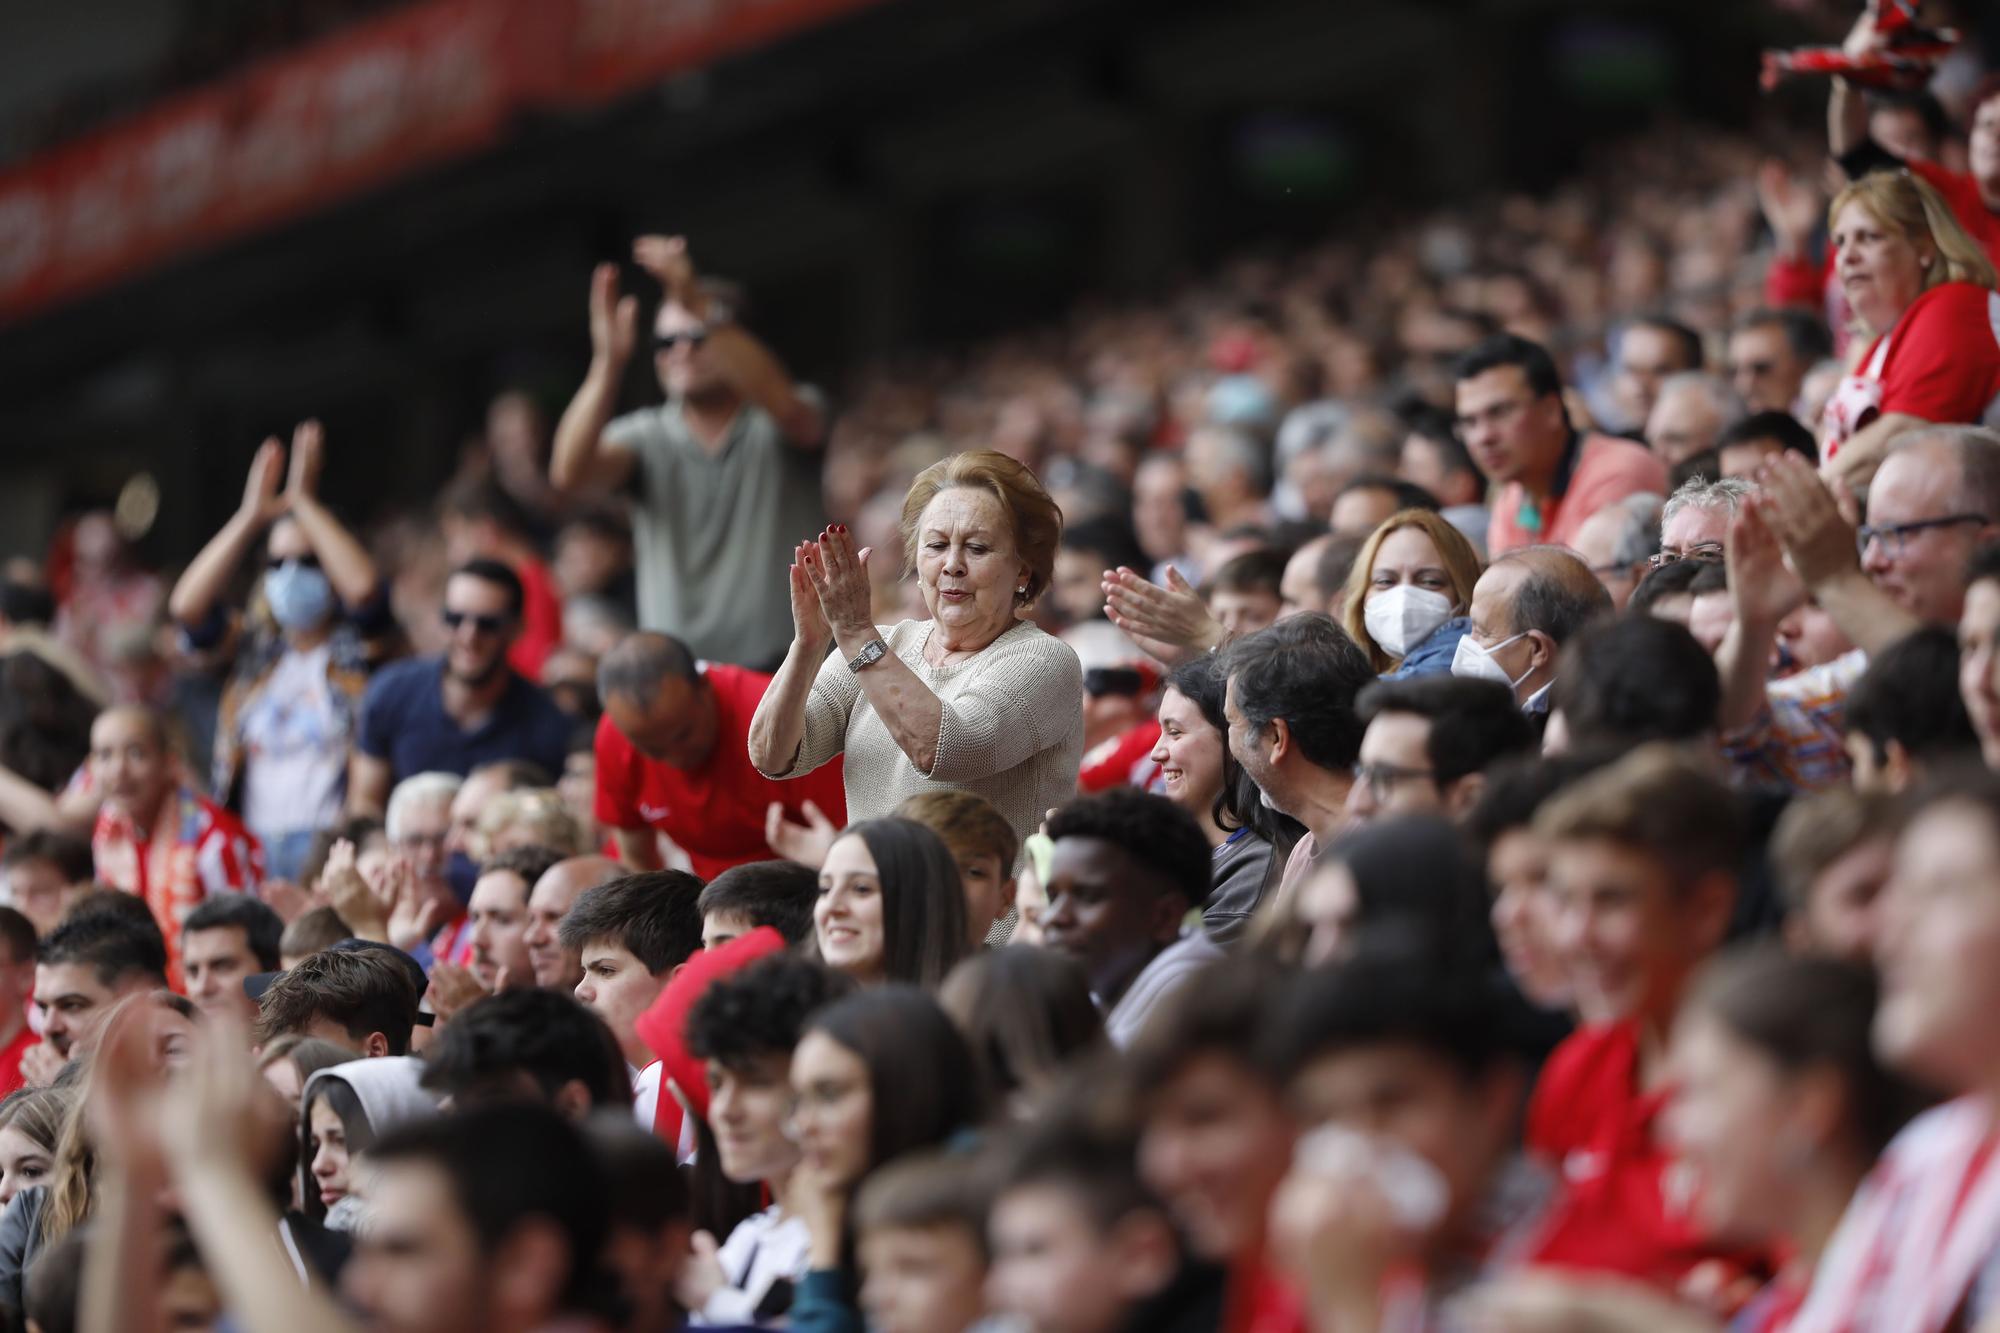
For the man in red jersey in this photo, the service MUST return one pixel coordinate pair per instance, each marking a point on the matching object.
(673, 757)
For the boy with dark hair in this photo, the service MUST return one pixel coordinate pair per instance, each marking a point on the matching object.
(227, 938)
(1243, 595)
(920, 1224)
(1905, 715)
(1126, 870)
(778, 894)
(1643, 859)
(365, 998)
(743, 1028)
(536, 1044)
(632, 934)
(1407, 1072)
(648, 1210)
(1637, 678)
(85, 967)
(1078, 1244)
(1429, 742)
(309, 932)
(456, 1242)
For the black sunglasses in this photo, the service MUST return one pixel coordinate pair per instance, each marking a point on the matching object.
(1100, 681)
(484, 624)
(667, 342)
(307, 561)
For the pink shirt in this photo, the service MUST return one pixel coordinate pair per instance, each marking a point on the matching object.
(1608, 471)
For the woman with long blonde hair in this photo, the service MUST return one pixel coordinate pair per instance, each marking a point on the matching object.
(1409, 592)
(1924, 292)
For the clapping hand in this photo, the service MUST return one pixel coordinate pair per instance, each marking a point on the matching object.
(416, 912)
(1170, 623)
(262, 504)
(809, 627)
(344, 887)
(614, 320)
(1812, 520)
(452, 988)
(308, 453)
(668, 260)
(1763, 590)
(839, 575)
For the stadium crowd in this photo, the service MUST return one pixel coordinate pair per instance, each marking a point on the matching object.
(1447, 780)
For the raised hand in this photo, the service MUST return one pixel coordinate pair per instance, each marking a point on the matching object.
(614, 320)
(806, 843)
(452, 988)
(1763, 590)
(1805, 514)
(127, 1083)
(364, 912)
(809, 627)
(839, 574)
(308, 453)
(668, 260)
(40, 1064)
(416, 912)
(701, 1276)
(1791, 207)
(262, 503)
(1170, 623)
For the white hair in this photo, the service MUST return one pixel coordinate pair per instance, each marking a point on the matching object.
(413, 791)
(1698, 492)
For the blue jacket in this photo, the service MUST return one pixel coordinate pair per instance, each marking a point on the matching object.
(1433, 656)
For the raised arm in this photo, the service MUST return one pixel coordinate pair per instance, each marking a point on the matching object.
(1819, 540)
(208, 574)
(749, 366)
(779, 726)
(1855, 461)
(25, 807)
(580, 460)
(346, 562)
(1846, 106)
(913, 715)
(1764, 593)
(1172, 623)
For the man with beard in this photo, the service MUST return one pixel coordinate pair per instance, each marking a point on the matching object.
(453, 713)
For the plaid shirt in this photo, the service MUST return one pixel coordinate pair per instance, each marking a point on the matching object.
(1797, 740)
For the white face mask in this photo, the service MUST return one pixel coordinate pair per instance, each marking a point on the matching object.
(1476, 663)
(1402, 617)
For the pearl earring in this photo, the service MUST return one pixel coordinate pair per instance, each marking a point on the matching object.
(1022, 590)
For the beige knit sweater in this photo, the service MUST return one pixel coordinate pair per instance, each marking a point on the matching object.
(1012, 729)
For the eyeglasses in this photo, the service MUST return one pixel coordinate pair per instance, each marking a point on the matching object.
(1709, 553)
(483, 624)
(1382, 778)
(1896, 536)
(667, 342)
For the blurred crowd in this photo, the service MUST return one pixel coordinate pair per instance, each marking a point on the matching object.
(1440, 779)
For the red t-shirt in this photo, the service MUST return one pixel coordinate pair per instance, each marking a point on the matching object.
(1961, 191)
(541, 620)
(1623, 1206)
(10, 1058)
(1607, 471)
(1126, 760)
(715, 813)
(1944, 356)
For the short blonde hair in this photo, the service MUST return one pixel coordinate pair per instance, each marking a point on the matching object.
(1461, 565)
(1913, 209)
(1033, 516)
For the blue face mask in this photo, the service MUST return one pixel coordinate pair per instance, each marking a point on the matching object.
(299, 595)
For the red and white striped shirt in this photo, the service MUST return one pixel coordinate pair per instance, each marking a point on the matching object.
(194, 848)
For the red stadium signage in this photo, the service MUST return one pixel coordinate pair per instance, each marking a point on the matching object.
(357, 109)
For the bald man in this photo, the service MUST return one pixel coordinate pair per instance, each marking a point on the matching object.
(673, 758)
(1316, 576)
(1525, 607)
(155, 835)
(557, 968)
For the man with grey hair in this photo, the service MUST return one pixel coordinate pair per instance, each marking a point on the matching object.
(1694, 525)
(673, 758)
(1934, 501)
(1618, 541)
(1690, 414)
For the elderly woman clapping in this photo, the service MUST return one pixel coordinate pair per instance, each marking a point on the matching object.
(976, 697)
